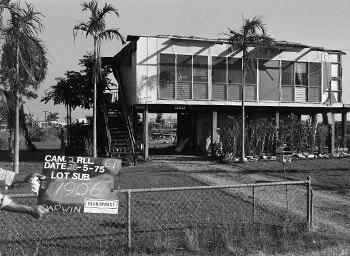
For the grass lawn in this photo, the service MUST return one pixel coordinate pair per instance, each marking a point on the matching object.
(326, 174)
(181, 222)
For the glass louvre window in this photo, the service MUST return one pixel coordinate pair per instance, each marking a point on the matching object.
(219, 68)
(234, 70)
(200, 77)
(219, 72)
(336, 96)
(335, 85)
(184, 68)
(287, 73)
(301, 73)
(335, 70)
(200, 69)
(167, 76)
(334, 57)
(184, 77)
(336, 81)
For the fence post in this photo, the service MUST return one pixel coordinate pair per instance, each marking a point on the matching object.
(129, 218)
(253, 204)
(309, 203)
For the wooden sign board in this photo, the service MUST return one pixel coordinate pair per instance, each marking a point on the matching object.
(76, 184)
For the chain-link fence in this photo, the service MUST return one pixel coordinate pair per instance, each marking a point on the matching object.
(190, 218)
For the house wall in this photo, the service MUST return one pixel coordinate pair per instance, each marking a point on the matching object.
(128, 78)
(147, 61)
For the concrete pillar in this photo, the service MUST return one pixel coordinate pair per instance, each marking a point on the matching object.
(214, 123)
(331, 132)
(214, 134)
(277, 125)
(145, 135)
(344, 121)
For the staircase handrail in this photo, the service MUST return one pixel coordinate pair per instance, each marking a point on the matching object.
(125, 113)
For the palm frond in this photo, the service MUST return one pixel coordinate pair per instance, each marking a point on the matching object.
(110, 34)
(252, 26)
(91, 6)
(107, 8)
(82, 27)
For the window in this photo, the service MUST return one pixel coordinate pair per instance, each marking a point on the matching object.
(200, 77)
(219, 68)
(301, 81)
(183, 77)
(335, 85)
(200, 69)
(335, 70)
(234, 87)
(167, 76)
(335, 57)
(167, 67)
(234, 71)
(315, 74)
(335, 89)
(315, 81)
(269, 80)
(287, 73)
(184, 68)
(301, 73)
(226, 78)
(219, 78)
(287, 81)
(251, 74)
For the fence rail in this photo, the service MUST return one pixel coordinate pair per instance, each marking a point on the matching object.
(175, 218)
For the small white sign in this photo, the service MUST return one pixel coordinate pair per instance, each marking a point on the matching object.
(101, 206)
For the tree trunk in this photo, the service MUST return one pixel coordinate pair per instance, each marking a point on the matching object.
(11, 144)
(243, 159)
(24, 127)
(67, 126)
(16, 102)
(94, 135)
(70, 124)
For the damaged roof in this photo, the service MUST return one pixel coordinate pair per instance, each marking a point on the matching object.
(226, 41)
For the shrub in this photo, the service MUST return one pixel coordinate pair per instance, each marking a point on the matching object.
(299, 135)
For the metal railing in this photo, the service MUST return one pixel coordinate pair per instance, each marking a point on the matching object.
(167, 218)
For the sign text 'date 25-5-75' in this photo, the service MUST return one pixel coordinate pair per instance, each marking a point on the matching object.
(79, 184)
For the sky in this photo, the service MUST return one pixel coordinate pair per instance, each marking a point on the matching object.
(323, 23)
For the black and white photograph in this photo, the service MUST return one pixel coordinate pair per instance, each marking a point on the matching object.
(175, 127)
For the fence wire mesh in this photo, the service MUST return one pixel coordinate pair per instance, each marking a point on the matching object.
(176, 219)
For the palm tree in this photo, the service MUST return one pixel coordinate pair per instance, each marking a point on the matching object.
(8, 113)
(252, 33)
(24, 61)
(96, 28)
(67, 91)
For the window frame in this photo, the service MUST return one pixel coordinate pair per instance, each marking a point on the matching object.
(177, 82)
(337, 78)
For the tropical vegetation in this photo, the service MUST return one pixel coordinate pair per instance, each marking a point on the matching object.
(252, 33)
(74, 90)
(23, 60)
(95, 27)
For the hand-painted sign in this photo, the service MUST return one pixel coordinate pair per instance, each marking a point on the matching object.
(79, 184)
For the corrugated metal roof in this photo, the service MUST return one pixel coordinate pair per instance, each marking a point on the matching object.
(226, 41)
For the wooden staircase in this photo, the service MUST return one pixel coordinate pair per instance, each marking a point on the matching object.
(122, 145)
